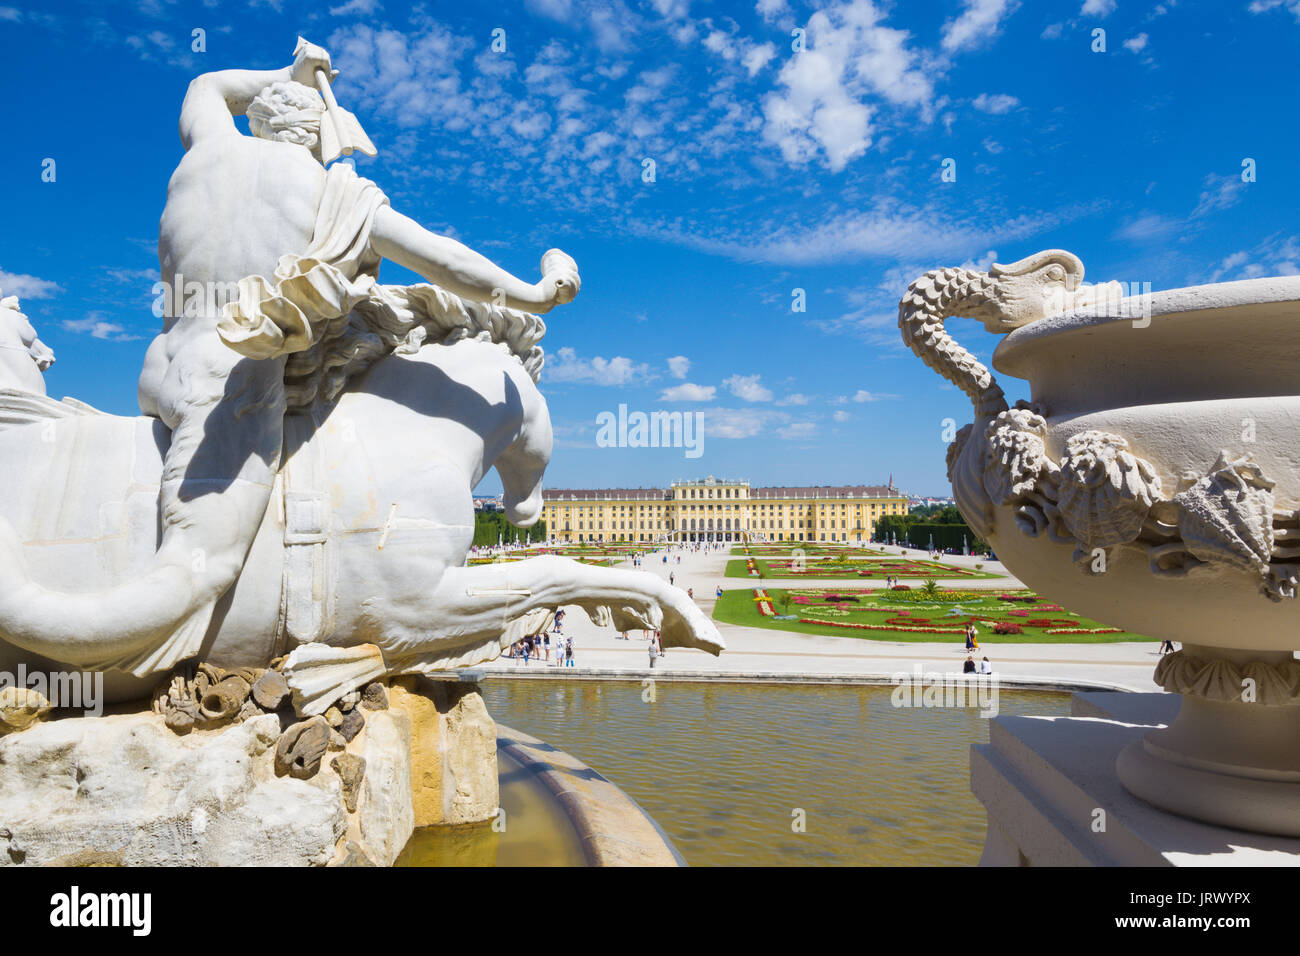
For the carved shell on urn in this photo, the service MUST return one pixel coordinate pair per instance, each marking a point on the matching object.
(1227, 516)
(1106, 491)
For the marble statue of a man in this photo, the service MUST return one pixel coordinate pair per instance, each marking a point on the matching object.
(236, 206)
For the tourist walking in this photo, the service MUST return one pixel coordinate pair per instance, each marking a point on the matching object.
(568, 652)
(1166, 647)
(653, 650)
(671, 578)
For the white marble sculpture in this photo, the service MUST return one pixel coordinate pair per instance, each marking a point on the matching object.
(1153, 482)
(23, 357)
(302, 472)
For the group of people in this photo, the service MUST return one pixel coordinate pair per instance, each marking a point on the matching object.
(539, 645)
(973, 645)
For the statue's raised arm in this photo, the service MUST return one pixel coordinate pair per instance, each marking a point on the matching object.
(213, 100)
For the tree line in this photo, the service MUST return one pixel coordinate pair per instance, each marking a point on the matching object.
(492, 526)
(941, 523)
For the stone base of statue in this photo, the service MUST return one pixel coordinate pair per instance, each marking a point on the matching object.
(1053, 797)
(265, 789)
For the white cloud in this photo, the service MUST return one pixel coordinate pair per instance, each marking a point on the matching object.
(1148, 227)
(748, 388)
(689, 392)
(565, 366)
(1275, 256)
(9, 13)
(1097, 8)
(27, 287)
(996, 103)
(841, 415)
(889, 230)
(978, 22)
(1136, 44)
(758, 57)
(737, 422)
(820, 105)
(1262, 6)
(862, 395)
(1052, 31)
(992, 145)
(771, 9)
(678, 366)
(1219, 192)
(363, 7)
(797, 430)
(796, 398)
(98, 328)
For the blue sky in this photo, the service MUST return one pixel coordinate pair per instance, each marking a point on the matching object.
(774, 170)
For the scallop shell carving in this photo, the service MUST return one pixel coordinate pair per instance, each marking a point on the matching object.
(1105, 490)
(1017, 454)
(1227, 516)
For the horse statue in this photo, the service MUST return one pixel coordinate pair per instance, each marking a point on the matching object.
(364, 545)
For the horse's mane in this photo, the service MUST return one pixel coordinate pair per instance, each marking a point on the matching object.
(402, 319)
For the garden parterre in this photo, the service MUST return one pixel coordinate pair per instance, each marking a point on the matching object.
(870, 568)
(914, 614)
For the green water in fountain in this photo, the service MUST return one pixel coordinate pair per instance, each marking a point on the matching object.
(723, 767)
(535, 832)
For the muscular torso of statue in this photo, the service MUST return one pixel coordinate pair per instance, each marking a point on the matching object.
(234, 205)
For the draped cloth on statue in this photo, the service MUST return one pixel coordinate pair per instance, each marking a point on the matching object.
(327, 312)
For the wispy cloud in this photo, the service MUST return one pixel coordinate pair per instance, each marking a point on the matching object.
(688, 392)
(98, 327)
(27, 287)
(979, 22)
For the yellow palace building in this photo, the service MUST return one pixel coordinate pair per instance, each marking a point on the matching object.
(715, 509)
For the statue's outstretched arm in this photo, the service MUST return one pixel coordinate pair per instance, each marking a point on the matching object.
(459, 269)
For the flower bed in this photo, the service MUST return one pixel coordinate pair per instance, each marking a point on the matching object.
(1009, 616)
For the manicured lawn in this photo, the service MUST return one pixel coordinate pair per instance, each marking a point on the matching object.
(880, 615)
(867, 568)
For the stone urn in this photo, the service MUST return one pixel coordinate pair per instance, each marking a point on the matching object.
(1153, 483)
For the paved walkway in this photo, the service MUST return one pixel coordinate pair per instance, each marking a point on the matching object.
(767, 654)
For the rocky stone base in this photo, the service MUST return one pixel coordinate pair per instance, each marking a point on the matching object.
(453, 751)
(265, 789)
